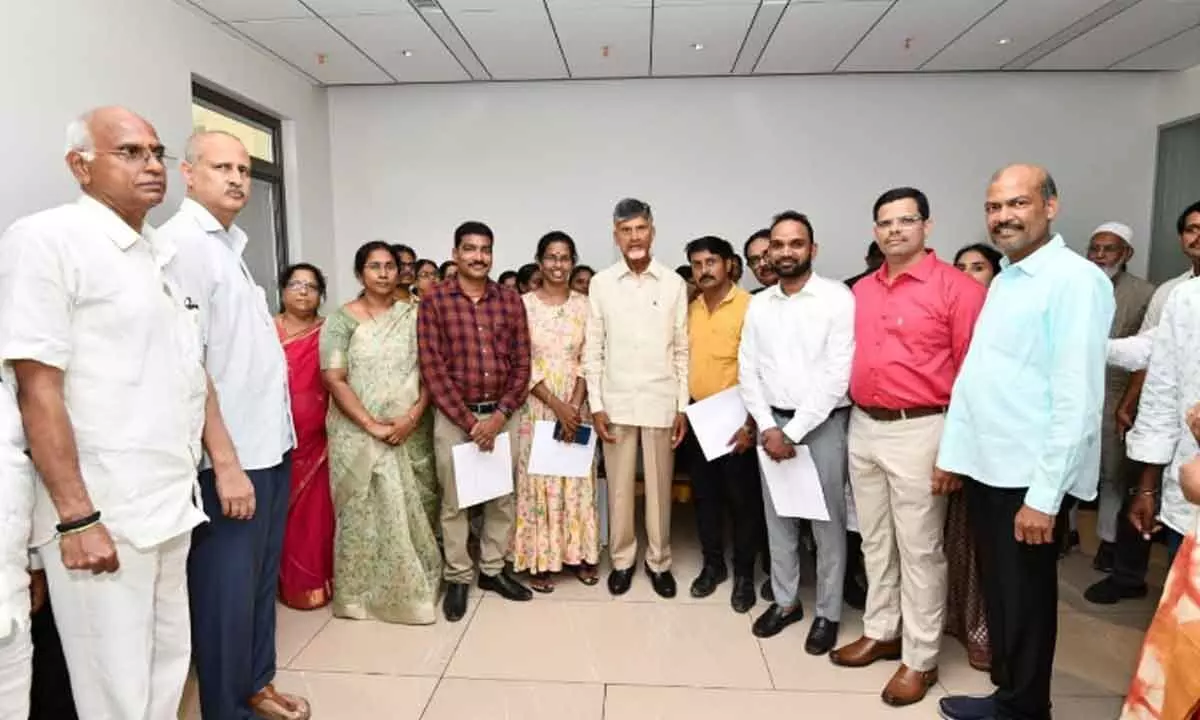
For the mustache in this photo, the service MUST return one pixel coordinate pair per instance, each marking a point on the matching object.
(705, 277)
(1008, 225)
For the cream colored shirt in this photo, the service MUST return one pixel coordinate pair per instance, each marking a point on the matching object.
(636, 355)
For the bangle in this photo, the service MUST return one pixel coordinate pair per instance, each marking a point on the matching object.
(76, 526)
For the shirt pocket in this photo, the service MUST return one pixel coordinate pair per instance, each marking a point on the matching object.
(114, 323)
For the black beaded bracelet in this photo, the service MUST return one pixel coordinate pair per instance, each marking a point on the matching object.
(75, 525)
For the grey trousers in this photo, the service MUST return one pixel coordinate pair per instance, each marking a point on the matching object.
(827, 443)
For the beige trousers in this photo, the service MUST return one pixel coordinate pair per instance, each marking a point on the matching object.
(902, 525)
(658, 462)
(498, 514)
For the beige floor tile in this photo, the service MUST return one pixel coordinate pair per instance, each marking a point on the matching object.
(663, 643)
(383, 648)
(662, 703)
(1095, 655)
(294, 629)
(1090, 708)
(335, 696)
(457, 699)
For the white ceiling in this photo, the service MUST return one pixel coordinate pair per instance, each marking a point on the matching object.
(346, 42)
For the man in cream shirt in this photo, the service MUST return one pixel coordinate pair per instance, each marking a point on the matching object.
(636, 364)
(233, 571)
(105, 355)
(16, 509)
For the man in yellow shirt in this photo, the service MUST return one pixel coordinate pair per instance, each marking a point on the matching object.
(729, 483)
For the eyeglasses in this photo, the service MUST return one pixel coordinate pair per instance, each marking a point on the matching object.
(905, 222)
(302, 286)
(381, 266)
(755, 260)
(406, 265)
(557, 259)
(137, 154)
(426, 275)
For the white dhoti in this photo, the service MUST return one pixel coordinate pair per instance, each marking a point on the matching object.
(126, 635)
(16, 673)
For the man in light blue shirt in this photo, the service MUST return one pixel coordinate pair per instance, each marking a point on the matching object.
(1023, 431)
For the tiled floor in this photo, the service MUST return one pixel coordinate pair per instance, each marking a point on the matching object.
(579, 654)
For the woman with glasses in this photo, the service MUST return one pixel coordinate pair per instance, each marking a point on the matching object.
(557, 523)
(387, 564)
(306, 567)
(427, 276)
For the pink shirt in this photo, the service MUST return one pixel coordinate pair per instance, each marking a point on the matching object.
(911, 334)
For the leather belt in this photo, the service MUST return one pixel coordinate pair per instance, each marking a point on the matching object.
(889, 415)
(482, 408)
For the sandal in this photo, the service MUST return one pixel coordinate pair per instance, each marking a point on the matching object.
(541, 582)
(587, 574)
(272, 705)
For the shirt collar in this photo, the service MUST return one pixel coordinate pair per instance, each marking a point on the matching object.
(654, 269)
(1039, 260)
(729, 297)
(490, 290)
(208, 222)
(922, 271)
(113, 226)
(776, 290)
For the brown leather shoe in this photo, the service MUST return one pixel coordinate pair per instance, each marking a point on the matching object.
(864, 651)
(270, 704)
(908, 686)
(979, 658)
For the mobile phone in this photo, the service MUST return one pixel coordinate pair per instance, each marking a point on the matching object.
(583, 434)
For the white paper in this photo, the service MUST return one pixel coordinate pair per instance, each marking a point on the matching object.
(480, 476)
(560, 459)
(794, 485)
(715, 419)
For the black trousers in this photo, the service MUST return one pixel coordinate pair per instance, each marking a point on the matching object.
(50, 697)
(728, 485)
(1020, 587)
(1131, 556)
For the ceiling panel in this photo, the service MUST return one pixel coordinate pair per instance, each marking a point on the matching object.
(717, 27)
(513, 38)
(233, 10)
(386, 38)
(1141, 26)
(1023, 23)
(347, 8)
(813, 37)
(1178, 53)
(914, 31)
(303, 42)
(587, 27)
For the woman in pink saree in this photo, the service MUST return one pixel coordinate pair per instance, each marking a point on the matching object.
(306, 568)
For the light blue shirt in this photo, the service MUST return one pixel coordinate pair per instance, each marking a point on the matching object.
(1027, 405)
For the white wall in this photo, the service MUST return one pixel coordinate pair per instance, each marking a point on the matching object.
(1179, 96)
(722, 155)
(62, 57)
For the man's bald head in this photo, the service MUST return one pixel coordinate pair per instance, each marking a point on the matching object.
(116, 157)
(1037, 174)
(1022, 200)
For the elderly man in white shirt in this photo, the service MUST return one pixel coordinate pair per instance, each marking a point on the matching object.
(233, 571)
(636, 364)
(16, 510)
(794, 371)
(106, 360)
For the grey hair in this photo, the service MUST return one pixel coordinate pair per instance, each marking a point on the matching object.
(79, 135)
(631, 208)
(191, 153)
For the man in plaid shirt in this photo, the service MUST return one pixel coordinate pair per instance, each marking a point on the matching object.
(474, 351)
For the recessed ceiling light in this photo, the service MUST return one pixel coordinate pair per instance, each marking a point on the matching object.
(406, 53)
(1003, 41)
(697, 46)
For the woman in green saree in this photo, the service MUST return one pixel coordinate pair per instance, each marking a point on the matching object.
(387, 564)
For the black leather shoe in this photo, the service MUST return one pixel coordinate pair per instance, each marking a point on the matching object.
(663, 582)
(1103, 561)
(966, 707)
(767, 592)
(505, 587)
(454, 605)
(707, 581)
(1109, 592)
(619, 581)
(775, 619)
(742, 598)
(822, 636)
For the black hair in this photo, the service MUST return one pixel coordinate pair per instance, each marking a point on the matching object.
(552, 237)
(285, 277)
(472, 227)
(1183, 216)
(991, 254)
(579, 270)
(506, 275)
(764, 234)
(793, 216)
(903, 193)
(525, 274)
(685, 272)
(443, 267)
(364, 252)
(422, 263)
(398, 248)
(712, 244)
(874, 251)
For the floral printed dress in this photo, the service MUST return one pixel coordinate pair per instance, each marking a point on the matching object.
(556, 516)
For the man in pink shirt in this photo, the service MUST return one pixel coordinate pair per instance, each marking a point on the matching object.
(913, 323)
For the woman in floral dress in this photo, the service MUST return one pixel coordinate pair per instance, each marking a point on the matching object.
(556, 516)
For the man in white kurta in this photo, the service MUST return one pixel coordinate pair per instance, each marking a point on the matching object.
(16, 509)
(106, 361)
